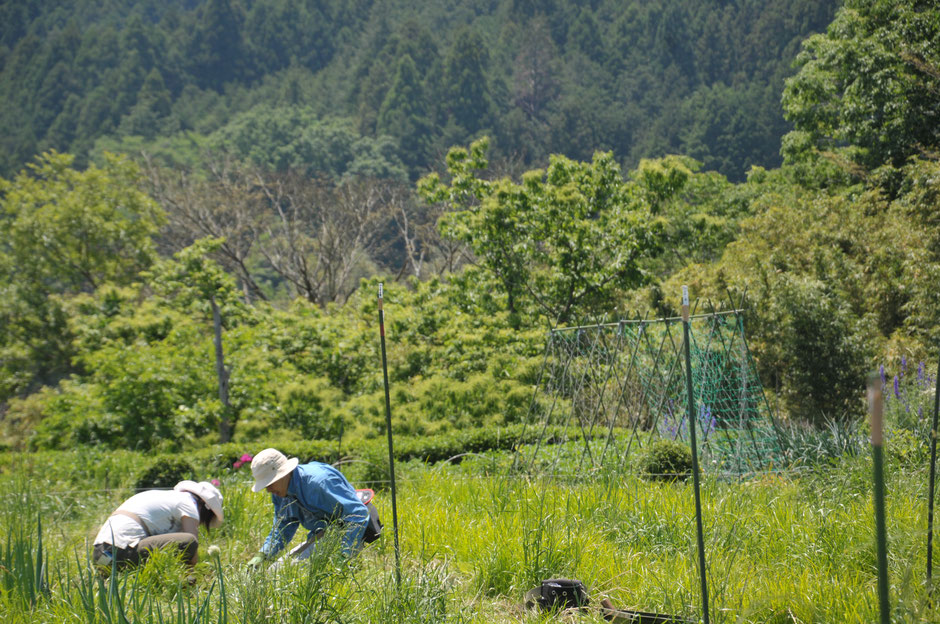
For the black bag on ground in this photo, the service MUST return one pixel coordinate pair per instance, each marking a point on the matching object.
(558, 593)
(373, 525)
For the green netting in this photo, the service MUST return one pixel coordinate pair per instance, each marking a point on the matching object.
(606, 390)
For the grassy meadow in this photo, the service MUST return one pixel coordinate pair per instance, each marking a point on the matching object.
(474, 537)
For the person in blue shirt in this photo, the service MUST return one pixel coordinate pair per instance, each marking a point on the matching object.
(312, 495)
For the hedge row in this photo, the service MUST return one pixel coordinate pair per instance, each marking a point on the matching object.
(365, 460)
(430, 449)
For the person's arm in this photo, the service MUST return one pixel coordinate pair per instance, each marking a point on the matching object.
(191, 525)
(282, 532)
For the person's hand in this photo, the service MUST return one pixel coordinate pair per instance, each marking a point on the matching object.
(255, 562)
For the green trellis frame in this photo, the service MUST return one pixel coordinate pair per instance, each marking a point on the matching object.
(608, 389)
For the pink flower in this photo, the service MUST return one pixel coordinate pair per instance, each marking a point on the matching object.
(216, 482)
(241, 461)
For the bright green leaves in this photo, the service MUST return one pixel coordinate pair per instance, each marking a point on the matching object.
(63, 232)
(566, 239)
(69, 231)
(192, 279)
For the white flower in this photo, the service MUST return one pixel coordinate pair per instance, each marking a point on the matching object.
(213, 551)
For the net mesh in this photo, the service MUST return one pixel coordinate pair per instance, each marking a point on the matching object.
(607, 390)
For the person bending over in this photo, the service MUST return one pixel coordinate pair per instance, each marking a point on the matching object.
(155, 519)
(313, 496)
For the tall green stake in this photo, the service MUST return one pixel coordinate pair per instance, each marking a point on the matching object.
(877, 452)
(933, 474)
(391, 454)
(695, 480)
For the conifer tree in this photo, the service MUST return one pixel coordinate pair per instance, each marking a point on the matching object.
(404, 115)
(465, 76)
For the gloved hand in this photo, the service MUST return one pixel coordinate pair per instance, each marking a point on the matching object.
(256, 562)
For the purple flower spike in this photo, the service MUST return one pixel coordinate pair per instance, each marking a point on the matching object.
(897, 388)
(881, 370)
(920, 374)
(903, 364)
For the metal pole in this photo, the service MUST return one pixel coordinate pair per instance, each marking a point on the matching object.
(391, 455)
(877, 443)
(695, 480)
(933, 474)
(225, 423)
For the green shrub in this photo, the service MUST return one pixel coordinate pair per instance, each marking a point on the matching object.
(165, 472)
(666, 459)
(824, 354)
(310, 407)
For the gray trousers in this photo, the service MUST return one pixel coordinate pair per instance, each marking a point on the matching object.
(104, 554)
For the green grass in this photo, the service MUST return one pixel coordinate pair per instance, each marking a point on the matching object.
(780, 548)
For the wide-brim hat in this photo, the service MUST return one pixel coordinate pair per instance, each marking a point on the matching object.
(209, 494)
(270, 465)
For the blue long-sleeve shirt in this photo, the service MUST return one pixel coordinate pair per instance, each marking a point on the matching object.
(317, 495)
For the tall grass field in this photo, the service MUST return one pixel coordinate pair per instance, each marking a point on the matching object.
(794, 546)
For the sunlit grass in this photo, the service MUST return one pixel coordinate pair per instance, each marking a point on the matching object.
(779, 548)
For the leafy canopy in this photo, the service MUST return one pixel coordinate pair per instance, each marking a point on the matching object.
(871, 81)
(62, 232)
(567, 238)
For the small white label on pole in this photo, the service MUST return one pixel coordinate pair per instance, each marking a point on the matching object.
(380, 290)
(685, 295)
(875, 407)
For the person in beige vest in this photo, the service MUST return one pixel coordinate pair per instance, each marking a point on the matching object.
(157, 519)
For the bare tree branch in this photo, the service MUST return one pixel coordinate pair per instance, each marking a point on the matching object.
(221, 205)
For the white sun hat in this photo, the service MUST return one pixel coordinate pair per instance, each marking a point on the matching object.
(209, 494)
(270, 465)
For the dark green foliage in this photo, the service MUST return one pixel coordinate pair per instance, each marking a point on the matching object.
(666, 460)
(295, 138)
(817, 331)
(216, 49)
(836, 251)
(872, 81)
(404, 115)
(468, 100)
(163, 473)
(641, 80)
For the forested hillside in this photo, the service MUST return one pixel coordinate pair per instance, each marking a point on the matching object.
(402, 81)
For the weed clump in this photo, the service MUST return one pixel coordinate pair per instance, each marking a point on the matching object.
(666, 460)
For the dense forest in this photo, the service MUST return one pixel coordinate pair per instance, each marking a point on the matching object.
(199, 257)
(401, 82)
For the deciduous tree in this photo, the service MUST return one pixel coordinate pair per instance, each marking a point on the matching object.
(567, 238)
(872, 80)
(63, 232)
